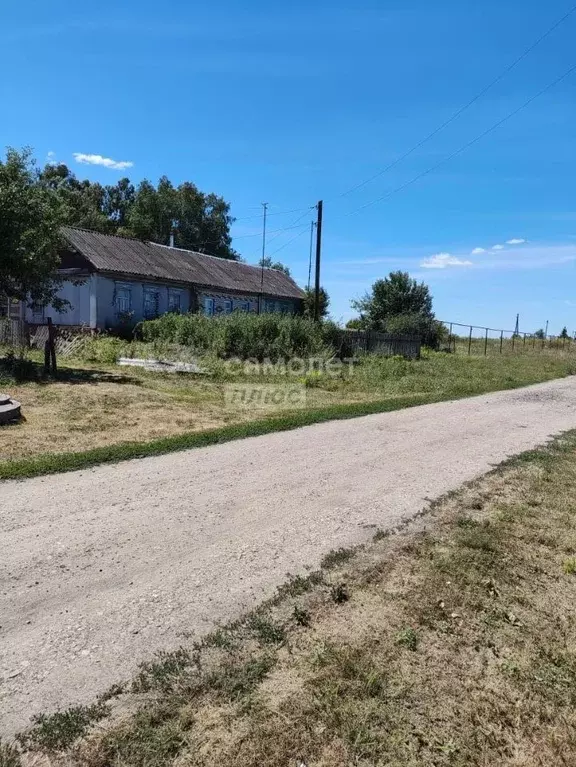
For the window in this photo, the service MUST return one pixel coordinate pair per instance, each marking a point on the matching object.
(227, 306)
(123, 299)
(242, 306)
(209, 307)
(150, 303)
(37, 313)
(174, 301)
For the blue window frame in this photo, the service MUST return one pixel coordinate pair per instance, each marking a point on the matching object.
(151, 303)
(123, 299)
(174, 300)
(209, 306)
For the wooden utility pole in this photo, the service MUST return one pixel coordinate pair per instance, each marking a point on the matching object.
(318, 253)
(312, 225)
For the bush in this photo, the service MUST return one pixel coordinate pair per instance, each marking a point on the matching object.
(430, 331)
(102, 349)
(243, 335)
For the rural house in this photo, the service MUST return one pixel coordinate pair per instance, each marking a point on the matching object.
(108, 278)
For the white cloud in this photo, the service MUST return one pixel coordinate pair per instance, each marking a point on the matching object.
(515, 241)
(497, 247)
(478, 251)
(443, 260)
(106, 162)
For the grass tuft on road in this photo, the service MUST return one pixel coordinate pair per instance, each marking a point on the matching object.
(454, 646)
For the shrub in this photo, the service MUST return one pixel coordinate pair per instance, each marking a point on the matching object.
(102, 349)
(243, 335)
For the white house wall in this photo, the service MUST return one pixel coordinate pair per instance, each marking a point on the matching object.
(107, 310)
(77, 313)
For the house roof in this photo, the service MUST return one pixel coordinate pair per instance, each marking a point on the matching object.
(127, 256)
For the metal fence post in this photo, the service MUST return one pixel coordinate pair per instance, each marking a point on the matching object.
(470, 342)
(486, 343)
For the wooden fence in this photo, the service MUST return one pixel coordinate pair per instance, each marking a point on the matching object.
(353, 342)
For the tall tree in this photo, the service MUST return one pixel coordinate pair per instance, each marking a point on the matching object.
(396, 295)
(309, 300)
(30, 219)
(118, 200)
(564, 332)
(198, 221)
(81, 202)
(267, 263)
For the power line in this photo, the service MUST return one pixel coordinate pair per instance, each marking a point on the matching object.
(259, 234)
(304, 230)
(465, 146)
(272, 213)
(292, 225)
(463, 108)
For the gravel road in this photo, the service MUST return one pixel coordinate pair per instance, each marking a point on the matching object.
(100, 568)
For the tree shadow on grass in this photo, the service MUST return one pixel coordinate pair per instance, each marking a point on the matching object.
(20, 371)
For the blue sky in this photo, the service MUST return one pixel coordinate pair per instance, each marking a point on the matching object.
(292, 103)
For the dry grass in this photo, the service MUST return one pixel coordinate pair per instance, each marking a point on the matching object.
(95, 404)
(455, 645)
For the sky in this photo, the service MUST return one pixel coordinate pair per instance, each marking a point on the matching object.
(291, 103)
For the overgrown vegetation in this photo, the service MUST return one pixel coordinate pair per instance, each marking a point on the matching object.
(242, 335)
(453, 647)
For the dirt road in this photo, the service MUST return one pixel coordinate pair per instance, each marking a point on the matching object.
(99, 568)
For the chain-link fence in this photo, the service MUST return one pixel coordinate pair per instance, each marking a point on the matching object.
(478, 340)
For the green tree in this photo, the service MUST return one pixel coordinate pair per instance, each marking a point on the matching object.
(539, 333)
(354, 324)
(309, 300)
(30, 219)
(81, 202)
(564, 333)
(398, 294)
(198, 221)
(118, 201)
(267, 263)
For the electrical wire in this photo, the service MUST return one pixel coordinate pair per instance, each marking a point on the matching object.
(463, 108)
(288, 243)
(271, 213)
(293, 225)
(464, 146)
(259, 234)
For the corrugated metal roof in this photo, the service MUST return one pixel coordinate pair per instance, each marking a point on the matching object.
(123, 255)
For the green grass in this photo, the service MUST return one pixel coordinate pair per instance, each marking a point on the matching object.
(58, 731)
(91, 416)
